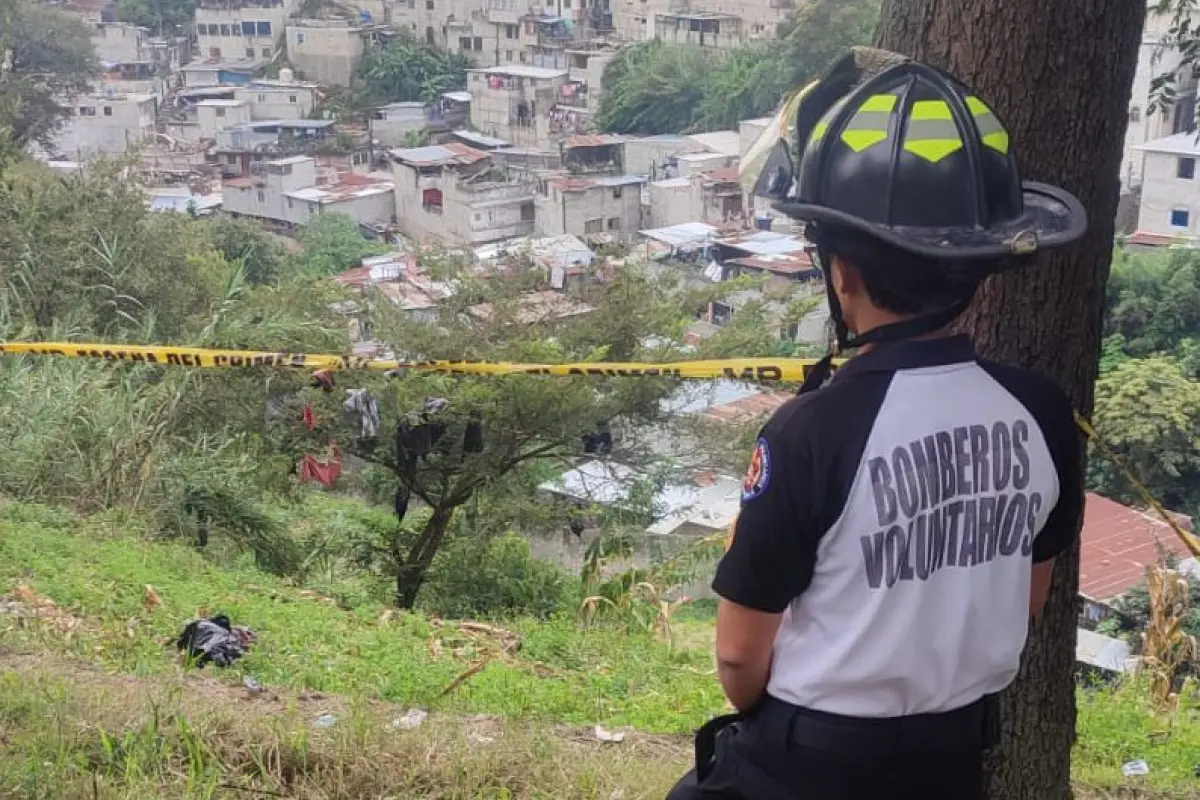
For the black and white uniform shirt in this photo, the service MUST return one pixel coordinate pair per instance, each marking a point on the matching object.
(893, 517)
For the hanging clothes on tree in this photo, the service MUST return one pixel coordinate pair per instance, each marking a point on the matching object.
(599, 441)
(324, 473)
(310, 418)
(362, 405)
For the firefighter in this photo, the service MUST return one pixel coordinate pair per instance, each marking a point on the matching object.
(900, 520)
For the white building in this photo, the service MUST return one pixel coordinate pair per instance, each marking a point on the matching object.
(241, 29)
(607, 205)
(290, 191)
(214, 116)
(450, 194)
(108, 123)
(326, 51)
(1170, 205)
(1154, 59)
(515, 103)
(119, 42)
(279, 99)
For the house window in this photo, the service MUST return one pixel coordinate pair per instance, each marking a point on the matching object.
(479, 43)
(214, 52)
(230, 159)
(429, 36)
(593, 226)
(225, 30)
(289, 202)
(299, 38)
(262, 98)
(1180, 218)
(614, 223)
(464, 43)
(266, 51)
(429, 5)
(566, 3)
(262, 198)
(220, 112)
(292, 98)
(202, 30)
(616, 192)
(431, 201)
(87, 111)
(1186, 168)
(508, 55)
(247, 29)
(510, 31)
(108, 111)
(527, 212)
(249, 52)
(264, 28)
(522, 55)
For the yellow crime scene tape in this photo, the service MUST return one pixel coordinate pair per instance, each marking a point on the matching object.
(763, 370)
(760, 370)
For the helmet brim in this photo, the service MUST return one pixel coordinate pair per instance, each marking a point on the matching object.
(1052, 218)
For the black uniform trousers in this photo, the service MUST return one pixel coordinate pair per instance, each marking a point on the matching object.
(783, 752)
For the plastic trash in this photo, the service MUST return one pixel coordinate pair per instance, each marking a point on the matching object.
(1131, 769)
(325, 721)
(410, 719)
(609, 736)
(252, 686)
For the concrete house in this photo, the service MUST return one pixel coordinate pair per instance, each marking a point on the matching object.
(215, 72)
(610, 206)
(712, 197)
(1170, 204)
(119, 42)
(453, 194)
(326, 51)
(108, 123)
(285, 98)
(290, 191)
(514, 103)
(1155, 58)
(233, 30)
(214, 116)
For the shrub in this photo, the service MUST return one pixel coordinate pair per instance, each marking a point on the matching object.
(494, 577)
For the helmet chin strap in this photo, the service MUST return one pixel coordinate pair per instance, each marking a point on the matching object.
(892, 332)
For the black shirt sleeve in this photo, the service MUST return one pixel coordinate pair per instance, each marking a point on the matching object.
(770, 561)
(1066, 448)
(1056, 418)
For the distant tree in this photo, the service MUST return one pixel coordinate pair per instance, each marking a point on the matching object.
(1153, 300)
(1148, 411)
(652, 87)
(655, 87)
(163, 17)
(522, 420)
(49, 58)
(332, 243)
(408, 69)
(246, 243)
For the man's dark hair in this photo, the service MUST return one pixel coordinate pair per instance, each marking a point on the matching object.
(899, 281)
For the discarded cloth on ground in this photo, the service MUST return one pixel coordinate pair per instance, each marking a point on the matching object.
(215, 641)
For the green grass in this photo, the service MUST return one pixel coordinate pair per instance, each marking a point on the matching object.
(560, 672)
(97, 568)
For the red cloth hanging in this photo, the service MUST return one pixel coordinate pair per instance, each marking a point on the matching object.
(310, 418)
(324, 473)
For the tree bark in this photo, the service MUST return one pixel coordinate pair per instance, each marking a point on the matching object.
(410, 575)
(1058, 72)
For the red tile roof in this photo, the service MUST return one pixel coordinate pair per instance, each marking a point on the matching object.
(594, 140)
(724, 175)
(747, 408)
(790, 264)
(1119, 544)
(1155, 239)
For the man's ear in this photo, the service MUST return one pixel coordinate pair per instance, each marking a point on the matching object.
(846, 280)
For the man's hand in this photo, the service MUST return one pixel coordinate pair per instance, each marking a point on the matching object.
(744, 641)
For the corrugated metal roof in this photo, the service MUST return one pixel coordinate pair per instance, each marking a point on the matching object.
(481, 140)
(594, 140)
(449, 153)
(761, 243)
(780, 264)
(1118, 545)
(1096, 650)
(687, 234)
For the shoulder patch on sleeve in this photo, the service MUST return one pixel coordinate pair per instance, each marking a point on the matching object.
(758, 476)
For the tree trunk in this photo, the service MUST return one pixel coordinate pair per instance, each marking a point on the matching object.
(410, 575)
(1058, 72)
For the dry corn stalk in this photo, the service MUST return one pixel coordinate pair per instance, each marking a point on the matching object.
(1166, 647)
